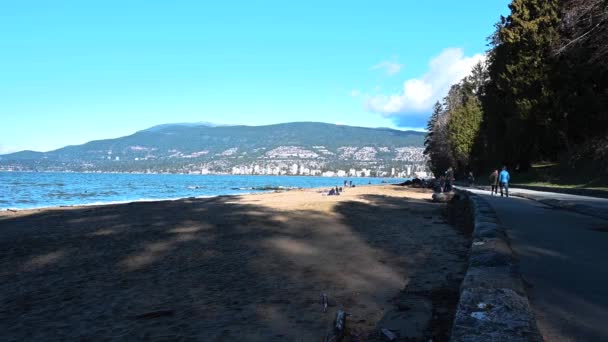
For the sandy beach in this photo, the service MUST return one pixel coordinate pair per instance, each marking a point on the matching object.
(237, 268)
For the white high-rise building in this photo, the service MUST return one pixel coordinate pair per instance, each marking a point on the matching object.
(293, 169)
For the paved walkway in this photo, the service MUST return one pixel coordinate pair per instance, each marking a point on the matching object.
(564, 260)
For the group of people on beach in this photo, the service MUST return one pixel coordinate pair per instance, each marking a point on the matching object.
(337, 190)
(500, 180)
(334, 191)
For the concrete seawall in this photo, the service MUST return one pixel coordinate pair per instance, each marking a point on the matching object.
(493, 303)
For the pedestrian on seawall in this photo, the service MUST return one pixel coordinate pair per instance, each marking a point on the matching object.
(494, 182)
(503, 181)
(449, 179)
(471, 179)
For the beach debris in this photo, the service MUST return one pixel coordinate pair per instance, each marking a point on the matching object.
(482, 315)
(439, 197)
(389, 335)
(338, 332)
(326, 301)
(478, 315)
(155, 314)
(340, 325)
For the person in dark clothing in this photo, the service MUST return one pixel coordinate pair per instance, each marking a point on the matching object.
(494, 182)
(438, 185)
(449, 179)
(471, 179)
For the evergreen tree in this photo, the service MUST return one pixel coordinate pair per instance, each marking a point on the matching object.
(429, 140)
(543, 93)
(430, 126)
(519, 93)
(437, 143)
(581, 73)
(463, 129)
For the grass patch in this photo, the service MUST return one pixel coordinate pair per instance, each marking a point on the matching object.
(554, 175)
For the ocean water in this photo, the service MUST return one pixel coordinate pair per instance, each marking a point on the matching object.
(27, 190)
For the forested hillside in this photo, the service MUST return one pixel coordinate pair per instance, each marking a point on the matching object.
(540, 96)
(271, 149)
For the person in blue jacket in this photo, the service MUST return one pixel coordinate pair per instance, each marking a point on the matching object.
(503, 181)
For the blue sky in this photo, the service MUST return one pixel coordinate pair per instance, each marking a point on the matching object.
(75, 71)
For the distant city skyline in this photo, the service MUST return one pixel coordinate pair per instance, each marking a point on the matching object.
(76, 71)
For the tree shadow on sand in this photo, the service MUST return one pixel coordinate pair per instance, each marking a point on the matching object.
(219, 270)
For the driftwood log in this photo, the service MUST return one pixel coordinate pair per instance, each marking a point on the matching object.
(339, 328)
(389, 335)
(324, 302)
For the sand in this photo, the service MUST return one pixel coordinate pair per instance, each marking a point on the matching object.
(232, 268)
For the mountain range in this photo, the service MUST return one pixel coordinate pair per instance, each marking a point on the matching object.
(187, 147)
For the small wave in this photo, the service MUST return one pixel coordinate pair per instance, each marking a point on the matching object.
(140, 200)
(68, 195)
(193, 187)
(108, 193)
(92, 204)
(267, 188)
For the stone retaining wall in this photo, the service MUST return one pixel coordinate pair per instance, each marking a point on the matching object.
(493, 304)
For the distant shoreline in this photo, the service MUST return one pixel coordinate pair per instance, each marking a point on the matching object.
(197, 174)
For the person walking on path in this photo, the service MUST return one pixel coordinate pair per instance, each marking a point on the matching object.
(503, 181)
(471, 179)
(494, 182)
(449, 179)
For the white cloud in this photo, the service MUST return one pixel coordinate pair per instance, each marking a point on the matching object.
(390, 68)
(419, 94)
